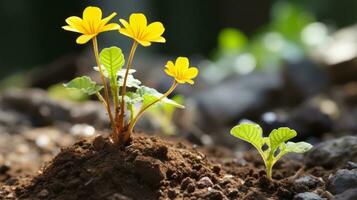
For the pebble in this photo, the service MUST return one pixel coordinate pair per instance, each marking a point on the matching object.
(350, 194)
(43, 193)
(204, 182)
(343, 180)
(333, 153)
(307, 196)
(309, 181)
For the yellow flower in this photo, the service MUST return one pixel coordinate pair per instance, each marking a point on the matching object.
(91, 25)
(181, 70)
(138, 29)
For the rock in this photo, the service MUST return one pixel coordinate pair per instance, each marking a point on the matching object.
(204, 182)
(333, 153)
(309, 181)
(307, 196)
(350, 194)
(302, 80)
(343, 180)
(42, 110)
(308, 119)
(351, 165)
(248, 96)
(43, 193)
(13, 122)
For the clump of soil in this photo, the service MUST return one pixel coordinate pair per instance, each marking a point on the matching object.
(151, 168)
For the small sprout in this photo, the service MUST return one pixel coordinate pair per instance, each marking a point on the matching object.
(270, 148)
(110, 62)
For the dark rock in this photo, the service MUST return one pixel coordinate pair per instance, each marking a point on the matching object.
(343, 180)
(351, 165)
(191, 188)
(350, 194)
(248, 96)
(303, 80)
(333, 153)
(309, 120)
(42, 110)
(307, 196)
(308, 181)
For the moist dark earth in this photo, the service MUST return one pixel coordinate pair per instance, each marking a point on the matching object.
(153, 168)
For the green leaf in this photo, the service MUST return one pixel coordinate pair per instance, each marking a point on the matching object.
(113, 60)
(251, 133)
(84, 84)
(150, 95)
(299, 147)
(130, 82)
(280, 135)
(132, 98)
(170, 109)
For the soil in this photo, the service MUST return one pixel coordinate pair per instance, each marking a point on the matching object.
(152, 168)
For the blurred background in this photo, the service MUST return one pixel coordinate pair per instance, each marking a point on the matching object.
(275, 62)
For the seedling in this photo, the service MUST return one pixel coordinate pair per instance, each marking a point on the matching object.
(110, 61)
(270, 148)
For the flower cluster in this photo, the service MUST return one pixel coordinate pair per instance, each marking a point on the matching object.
(110, 62)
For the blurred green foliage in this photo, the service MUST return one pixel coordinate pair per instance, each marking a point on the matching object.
(162, 115)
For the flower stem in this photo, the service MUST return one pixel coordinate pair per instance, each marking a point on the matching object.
(123, 91)
(106, 92)
(142, 110)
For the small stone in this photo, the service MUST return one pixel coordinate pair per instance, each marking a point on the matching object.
(333, 153)
(307, 196)
(191, 188)
(204, 182)
(214, 195)
(350, 194)
(343, 180)
(98, 143)
(43, 193)
(171, 193)
(216, 169)
(185, 182)
(308, 181)
(351, 165)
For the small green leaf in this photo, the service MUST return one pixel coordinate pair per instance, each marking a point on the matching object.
(113, 60)
(280, 135)
(84, 84)
(170, 109)
(130, 82)
(132, 98)
(150, 95)
(299, 147)
(251, 133)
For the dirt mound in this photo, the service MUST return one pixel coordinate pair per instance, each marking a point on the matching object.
(151, 168)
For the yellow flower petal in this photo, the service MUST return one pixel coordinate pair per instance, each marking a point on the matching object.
(91, 25)
(161, 40)
(154, 31)
(125, 23)
(144, 43)
(181, 70)
(70, 28)
(76, 23)
(182, 62)
(110, 27)
(138, 24)
(84, 38)
(92, 14)
(107, 19)
(191, 73)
